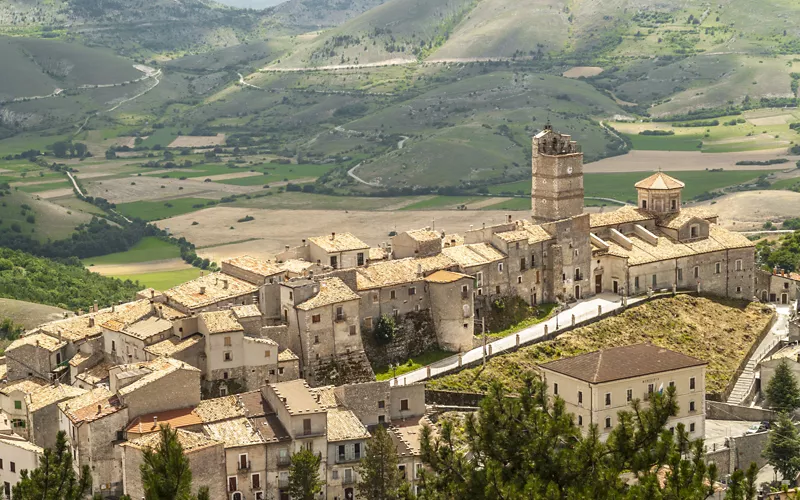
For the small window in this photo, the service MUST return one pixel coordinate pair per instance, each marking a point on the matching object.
(522, 264)
(580, 397)
(335, 474)
(692, 383)
(316, 318)
(718, 268)
(267, 353)
(555, 389)
(691, 427)
(395, 313)
(674, 204)
(316, 339)
(392, 294)
(696, 271)
(636, 282)
(381, 419)
(500, 267)
(644, 204)
(650, 388)
(478, 279)
(608, 422)
(227, 356)
(739, 264)
(17, 405)
(280, 371)
(655, 281)
(464, 292)
(694, 231)
(519, 280)
(256, 481)
(497, 289)
(306, 426)
(375, 298)
(368, 322)
(672, 383)
(272, 372)
(412, 291)
(360, 259)
(680, 274)
(402, 469)
(580, 420)
(339, 313)
(227, 341)
(232, 484)
(352, 330)
(12, 466)
(225, 375)
(691, 406)
(608, 399)
(403, 405)
(738, 289)
(381, 404)
(629, 395)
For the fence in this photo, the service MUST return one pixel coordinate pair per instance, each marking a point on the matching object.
(547, 330)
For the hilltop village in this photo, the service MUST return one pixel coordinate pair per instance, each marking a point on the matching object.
(266, 357)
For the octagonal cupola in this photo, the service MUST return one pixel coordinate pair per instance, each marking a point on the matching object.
(660, 193)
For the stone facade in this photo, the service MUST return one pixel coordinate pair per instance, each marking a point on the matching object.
(557, 186)
(778, 286)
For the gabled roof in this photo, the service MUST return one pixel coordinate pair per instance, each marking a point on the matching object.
(233, 432)
(397, 272)
(331, 291)
(40, 340)
(678, 219)
(619, 363)
(182, 417)
(190, 441)
(27, 385)
(343, 425)
(256, 266)
(158, 368)
(446, 277)
(660, 181)
(339, 242)
(173, 345)
(93, 405)
(212, 410)
(220, 322)
(51, 394)
(297, 397)
(476, 254)
(209, 289)
(424, 235)
(624, 215)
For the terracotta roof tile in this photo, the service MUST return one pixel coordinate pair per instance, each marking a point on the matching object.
(158, 368)
(660, 181)
(182, 417)
(270, 428)
(173, 345)
(51, 394)
(27, 385)
(209, 289)
(679, 219)
(619, 363)
(476, 254)
(297, 397)
(220, 322)
(343, 425)
(397, 272)
(424, 235)
(234, 432)
(190, 441)
(91, 406)
(331, 291)
(339, 242)
(446, 277)
(248, 311)
(256, 266)
(295, 266)
(212, 410)
(625, 215)
(40, 340)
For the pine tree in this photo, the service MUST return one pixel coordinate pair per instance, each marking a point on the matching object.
(783, 393)
(743, 484)
(304, 480)
(55, 478)
(380, 476)
(529, 447)
(165, 471)
(783, 447)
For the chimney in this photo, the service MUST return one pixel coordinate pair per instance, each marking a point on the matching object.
(59, 335)
(152, 294)
(113, 308)
(225, 284)
(95, 306)
(433, 224)
(304, 242)
(333, 236)
(99, 408)
(91, 325)
(202, 290)
(160, 312)
(419, 269)
(286, 247)
(155, 421)
(508, 217)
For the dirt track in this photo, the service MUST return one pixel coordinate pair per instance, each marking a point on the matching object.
(749, 210)
(142, 267)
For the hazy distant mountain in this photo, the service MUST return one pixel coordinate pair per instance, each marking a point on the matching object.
(251, 4)
(313, 14)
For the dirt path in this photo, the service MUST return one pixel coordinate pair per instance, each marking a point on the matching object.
(748, 211)
(488, 202)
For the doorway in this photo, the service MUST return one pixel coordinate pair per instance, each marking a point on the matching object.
(615, 286)
(784, 298)
(577, 292)
(598, 283)
(764, 296)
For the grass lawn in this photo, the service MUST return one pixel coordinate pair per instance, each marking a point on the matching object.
(279, 173)
(148, 249)
(544, 312)
(719, 331)
(161, 136)
(786, 184)
(163, 280)
(512, 204)
(156, 210)
(415, 363)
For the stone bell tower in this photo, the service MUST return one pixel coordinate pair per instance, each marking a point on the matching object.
(557, 188)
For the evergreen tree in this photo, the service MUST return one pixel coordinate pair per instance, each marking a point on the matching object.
(529, 447)
(783, 393)
(783, 447)
(304, 480)
(55, 478)
(380, 476)
(743, 484)
(165, 471)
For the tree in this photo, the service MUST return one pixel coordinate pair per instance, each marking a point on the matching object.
(165, 471)
(529, 447)
(783, 393)
(783, 447)
(304, 480)
(384, 329)
(743, 484)
(55, 478)
(380, 476)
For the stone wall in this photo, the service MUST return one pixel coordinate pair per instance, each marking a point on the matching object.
(350, 368)
(279, 334)
(44, 427)
(722, 458)
(415, 334)
(450, 398)
(724, 411)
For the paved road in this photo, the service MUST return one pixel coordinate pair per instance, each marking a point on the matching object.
(583, 310)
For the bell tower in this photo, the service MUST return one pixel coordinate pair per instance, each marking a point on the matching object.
(557, 186)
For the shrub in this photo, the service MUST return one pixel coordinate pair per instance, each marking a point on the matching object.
(384, 330)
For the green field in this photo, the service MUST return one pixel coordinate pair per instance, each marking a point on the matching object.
(415, 363)
(788, 184)
(689, 142)
(50, 220)
(148, 249)
(279, 173)
(157, 210)
(36, 188)
(161, 137)
(163, 280)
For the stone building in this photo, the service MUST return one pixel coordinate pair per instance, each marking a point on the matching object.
(38, 355)
(16, 455)
(338, 251)
(417, 243)
(779, 286)
(557, 184)
(206, 461)
(347, 441)
(597, 385)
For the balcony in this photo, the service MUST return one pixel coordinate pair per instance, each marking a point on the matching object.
(243, 466)
(341, 459)
(284, 461)
(348, 480)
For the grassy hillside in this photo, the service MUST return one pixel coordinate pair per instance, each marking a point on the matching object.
(311, 14)
(716, 330)
(29, 314)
